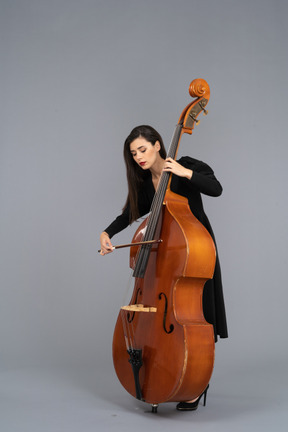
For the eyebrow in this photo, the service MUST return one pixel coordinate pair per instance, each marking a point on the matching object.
(138, 148)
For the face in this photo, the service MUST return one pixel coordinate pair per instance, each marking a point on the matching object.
(144, 153)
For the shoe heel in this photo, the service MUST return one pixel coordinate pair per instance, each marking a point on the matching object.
(205, 395)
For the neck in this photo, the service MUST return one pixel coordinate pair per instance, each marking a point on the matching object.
(156, 169)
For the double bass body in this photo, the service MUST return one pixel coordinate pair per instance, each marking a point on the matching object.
(177, 343)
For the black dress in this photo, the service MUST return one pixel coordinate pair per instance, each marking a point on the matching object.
(203, 181)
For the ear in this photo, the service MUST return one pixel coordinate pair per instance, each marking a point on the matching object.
(157, 146)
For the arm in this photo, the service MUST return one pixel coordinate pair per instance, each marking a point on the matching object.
(198, 174)
(119, 224)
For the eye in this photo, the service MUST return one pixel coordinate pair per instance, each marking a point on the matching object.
(143, 151)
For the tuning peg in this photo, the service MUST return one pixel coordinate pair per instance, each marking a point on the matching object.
(193, 116)
(205, 112)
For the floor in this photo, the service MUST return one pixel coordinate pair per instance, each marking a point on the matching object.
(60, 400)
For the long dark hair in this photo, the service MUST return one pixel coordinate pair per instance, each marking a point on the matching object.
(135, 174)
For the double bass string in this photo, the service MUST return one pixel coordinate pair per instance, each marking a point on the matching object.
(153, 218)
(127, 329)
(160, 193)
(156, 207)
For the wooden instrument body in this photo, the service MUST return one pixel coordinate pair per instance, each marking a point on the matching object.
(177, 345)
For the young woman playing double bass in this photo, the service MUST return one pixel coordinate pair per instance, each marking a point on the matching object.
(145, 159)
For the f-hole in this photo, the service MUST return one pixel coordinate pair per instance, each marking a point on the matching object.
(171, 328)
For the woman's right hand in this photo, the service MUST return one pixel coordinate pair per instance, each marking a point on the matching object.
(106, 245)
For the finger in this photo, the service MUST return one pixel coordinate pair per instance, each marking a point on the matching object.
(106, 250)
(106, 245)
(167, 163)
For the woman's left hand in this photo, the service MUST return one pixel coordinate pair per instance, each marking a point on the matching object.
(174, 167)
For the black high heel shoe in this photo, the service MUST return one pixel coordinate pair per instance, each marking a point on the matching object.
(192, 406)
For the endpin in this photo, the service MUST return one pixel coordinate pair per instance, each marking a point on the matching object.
(154, 408)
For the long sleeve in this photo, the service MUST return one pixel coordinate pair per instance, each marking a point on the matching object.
(203, 177)
(119, 224)
(144, 203)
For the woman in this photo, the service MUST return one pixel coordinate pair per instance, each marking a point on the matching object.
(145, 159)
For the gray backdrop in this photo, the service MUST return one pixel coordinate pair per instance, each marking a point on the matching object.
(76, 77)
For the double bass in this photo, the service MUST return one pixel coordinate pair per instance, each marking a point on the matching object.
(163, 348)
